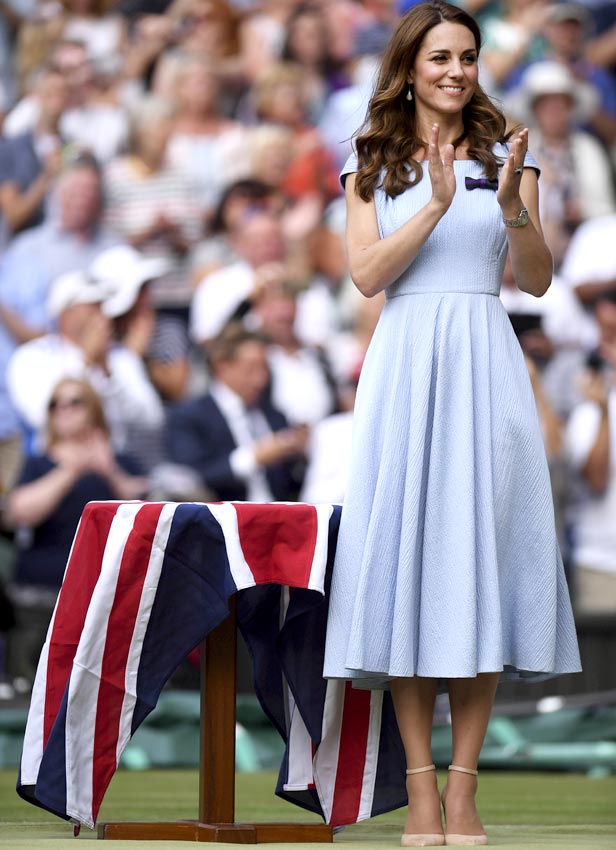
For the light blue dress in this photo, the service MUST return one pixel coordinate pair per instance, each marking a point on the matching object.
(447, 562)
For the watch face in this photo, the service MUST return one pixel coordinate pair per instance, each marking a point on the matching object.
(520, 221)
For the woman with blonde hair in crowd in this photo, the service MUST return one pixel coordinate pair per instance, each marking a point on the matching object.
(77, 466)
(204, 144)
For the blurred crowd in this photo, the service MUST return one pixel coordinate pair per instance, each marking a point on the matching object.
(176, 316)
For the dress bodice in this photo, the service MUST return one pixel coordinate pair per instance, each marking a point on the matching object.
(467, 249)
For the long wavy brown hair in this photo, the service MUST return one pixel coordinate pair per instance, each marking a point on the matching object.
(389, 138)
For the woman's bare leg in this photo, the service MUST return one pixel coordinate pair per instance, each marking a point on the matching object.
(414, 704)
(470, 701)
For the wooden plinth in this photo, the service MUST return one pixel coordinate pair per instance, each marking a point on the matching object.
(217, 766)
(226, 833)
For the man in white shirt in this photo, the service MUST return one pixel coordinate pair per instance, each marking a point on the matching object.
(83, 347)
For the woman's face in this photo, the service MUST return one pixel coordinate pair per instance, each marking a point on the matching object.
(68, 411)
(444, 74)
(151, 140)
(197, 89)
(307, 39)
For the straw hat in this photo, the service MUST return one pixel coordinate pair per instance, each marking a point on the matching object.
(548, 77)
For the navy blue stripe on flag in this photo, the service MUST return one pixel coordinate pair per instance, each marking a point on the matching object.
(192, 599)
(50, 789)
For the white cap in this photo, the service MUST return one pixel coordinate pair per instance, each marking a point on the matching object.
(73, 288)
(123, 271)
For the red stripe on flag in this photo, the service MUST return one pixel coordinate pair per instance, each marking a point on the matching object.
(351, 756)
(120, 628)
(278, 541)
(82, 573)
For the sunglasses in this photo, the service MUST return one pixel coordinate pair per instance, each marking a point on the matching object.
(58, 404)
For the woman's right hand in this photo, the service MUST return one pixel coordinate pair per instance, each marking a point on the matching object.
(442, 175)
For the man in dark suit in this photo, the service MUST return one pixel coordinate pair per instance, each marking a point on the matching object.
(232, 436)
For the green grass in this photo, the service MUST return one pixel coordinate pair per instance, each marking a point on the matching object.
(521, 810)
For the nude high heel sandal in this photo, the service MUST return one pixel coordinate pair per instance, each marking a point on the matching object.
(453, 839)
(422, 839)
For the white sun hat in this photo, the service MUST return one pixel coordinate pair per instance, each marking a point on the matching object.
(549, 77)
(123, 270)
(75, 287)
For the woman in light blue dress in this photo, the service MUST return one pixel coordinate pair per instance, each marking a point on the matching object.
(448, 571)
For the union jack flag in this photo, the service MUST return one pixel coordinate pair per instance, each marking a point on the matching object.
(144, 584)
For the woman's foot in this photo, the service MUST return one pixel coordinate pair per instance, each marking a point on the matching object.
(423, 820)
(463, 824)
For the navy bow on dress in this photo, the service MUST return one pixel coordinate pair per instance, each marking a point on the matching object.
(480, 183)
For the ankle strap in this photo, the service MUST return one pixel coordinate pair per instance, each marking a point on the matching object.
(420, 769)
(463, 769)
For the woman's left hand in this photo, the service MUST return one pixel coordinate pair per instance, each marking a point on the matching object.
(508, 195)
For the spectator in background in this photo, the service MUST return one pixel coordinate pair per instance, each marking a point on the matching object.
(589, 266)
(555, 333)
(70, 239)
(512, 32)
(567, 30)
(77, 465)
(13, 13)
(98, 26)
(270, 153)
(345, 109)
(238, 202)
(83, 348)
(30, 163)
(302, 384)
(279, 98)
(156, 338)
(154, 207)
(94, 119)
(576, 174)
(232, 436)
(204, 144)
(229, 292)
(307, 45)
(591, 442)
(329, 450)
(201, 28)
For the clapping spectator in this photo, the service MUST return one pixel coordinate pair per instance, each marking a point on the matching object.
(77, 465)
(83, 347)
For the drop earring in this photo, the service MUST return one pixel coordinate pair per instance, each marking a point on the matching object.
(409, 94)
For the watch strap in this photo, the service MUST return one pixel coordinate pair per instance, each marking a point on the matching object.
(520, 221)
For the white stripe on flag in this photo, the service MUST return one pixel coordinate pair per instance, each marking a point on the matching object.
(32, 751)
(85, 675)
(148, 594)
(372, 756)
(319, 559)
(326, 756)
(300, 775)
(226, 517)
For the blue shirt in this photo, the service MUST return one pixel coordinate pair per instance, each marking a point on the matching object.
(33, 259)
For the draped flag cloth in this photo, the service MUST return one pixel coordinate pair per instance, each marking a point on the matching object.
(144, 584)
